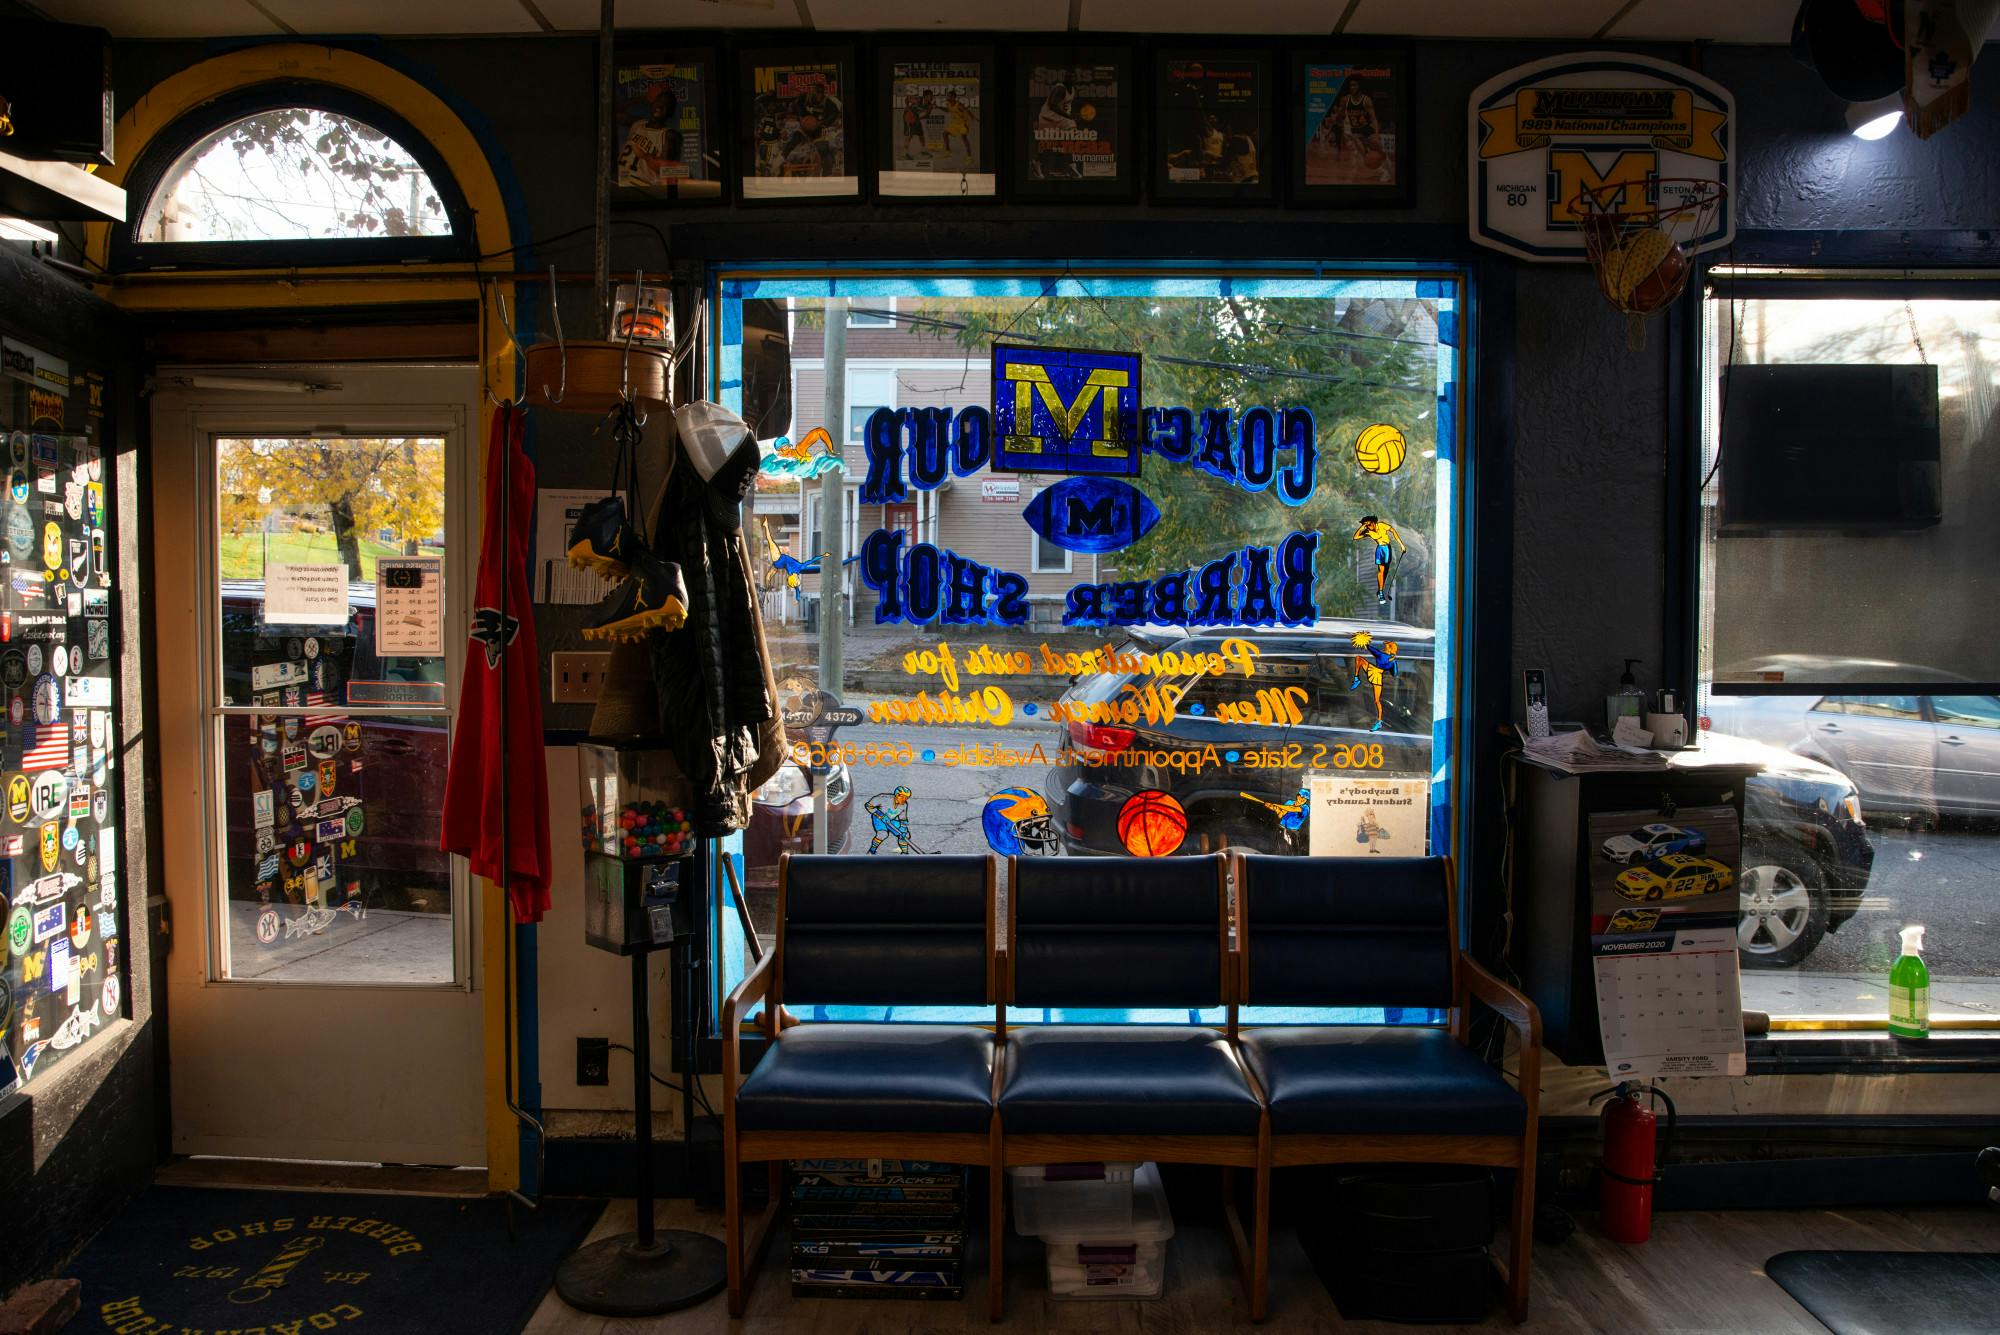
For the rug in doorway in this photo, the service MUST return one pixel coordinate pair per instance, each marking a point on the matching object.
(1880, 1293)
(209, 1259)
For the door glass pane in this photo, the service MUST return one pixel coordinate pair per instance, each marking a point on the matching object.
(331, 562)
(331, 868)
(305, 524)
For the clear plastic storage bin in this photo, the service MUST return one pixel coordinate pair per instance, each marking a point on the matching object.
(1128, 1263)
(1072, 1195)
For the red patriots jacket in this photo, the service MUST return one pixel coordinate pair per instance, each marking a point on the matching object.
(502, 680)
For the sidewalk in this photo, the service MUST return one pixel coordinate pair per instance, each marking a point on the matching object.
(1784, 992)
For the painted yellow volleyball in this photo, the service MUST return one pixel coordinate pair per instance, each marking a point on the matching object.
(1380, 448)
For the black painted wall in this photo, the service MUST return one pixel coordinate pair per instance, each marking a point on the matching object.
(1588, 417)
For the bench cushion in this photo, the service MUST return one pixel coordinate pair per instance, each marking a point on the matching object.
(1125, 1080)
(1404, 1080)
(871, 1077)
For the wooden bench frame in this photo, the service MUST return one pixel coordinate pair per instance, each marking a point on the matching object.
(775, 1147)
(1469, 980)
(1229, 1153)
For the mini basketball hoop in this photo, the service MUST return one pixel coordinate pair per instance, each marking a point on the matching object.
(1639, 252)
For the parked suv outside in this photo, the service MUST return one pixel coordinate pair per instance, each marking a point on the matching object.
(1329, 723)
(1807, 857)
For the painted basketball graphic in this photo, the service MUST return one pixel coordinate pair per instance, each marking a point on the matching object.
(1380, 448)
(1152, 824)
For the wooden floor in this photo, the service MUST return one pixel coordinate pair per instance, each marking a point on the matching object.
(1701, 1272)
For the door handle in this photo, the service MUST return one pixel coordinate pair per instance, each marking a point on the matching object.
(1952, 741)
(1829, 727)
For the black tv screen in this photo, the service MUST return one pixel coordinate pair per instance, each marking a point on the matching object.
(1830, 447)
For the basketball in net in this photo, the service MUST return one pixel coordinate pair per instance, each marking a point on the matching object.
(1639, 251)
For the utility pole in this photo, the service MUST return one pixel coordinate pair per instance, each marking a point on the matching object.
(833, 539)
(833, 509)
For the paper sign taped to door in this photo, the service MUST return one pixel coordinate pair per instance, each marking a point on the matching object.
(409, 607)
(305, 595)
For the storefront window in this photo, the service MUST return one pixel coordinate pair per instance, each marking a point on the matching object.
(1848, 582)
(1183, 581)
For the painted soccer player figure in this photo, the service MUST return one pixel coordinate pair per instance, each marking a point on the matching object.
(1372, 664)
(1381, 533)
(890, 813)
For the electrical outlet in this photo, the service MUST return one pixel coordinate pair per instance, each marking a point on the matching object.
(576, 678)
(593, 1061)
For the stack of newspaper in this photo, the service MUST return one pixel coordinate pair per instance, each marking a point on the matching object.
(1577, 752)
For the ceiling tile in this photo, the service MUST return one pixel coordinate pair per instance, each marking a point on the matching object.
(182, 18)
(1206, 16)
(1718, 20)
(1482, 18)
(966, 15)
(313, 17)
(571, 15)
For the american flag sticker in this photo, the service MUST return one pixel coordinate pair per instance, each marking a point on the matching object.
(49, 748)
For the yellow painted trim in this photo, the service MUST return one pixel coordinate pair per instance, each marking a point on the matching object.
(426, 113)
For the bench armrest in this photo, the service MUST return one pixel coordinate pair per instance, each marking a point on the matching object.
(1475, 980)
(756, 984)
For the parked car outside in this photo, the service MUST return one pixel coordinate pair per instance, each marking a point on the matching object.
(1807, 857)
(781, 819)
(1914, 755)
(1241, 801)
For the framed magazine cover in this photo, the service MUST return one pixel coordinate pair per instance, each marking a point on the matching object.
(937, 123)
(1350, 131)
(666, 132)
(1214, 114)
(1073, 123)
(799, 125)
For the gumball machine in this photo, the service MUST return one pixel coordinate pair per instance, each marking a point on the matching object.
(638, 847)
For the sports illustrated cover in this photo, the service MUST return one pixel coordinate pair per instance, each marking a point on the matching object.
(1214, 114)
(935, 109)
(1072, 120)
(662, 128)
(798, 121)
(1349, 124)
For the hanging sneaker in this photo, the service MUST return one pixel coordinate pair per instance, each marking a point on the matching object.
(654, 598)
(602, 542)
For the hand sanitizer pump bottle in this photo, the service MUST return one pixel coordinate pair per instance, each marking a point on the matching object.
(1910, 989)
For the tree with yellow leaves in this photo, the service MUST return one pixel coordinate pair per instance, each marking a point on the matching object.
(360, 486)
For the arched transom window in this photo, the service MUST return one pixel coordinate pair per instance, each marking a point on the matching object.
(293, 173)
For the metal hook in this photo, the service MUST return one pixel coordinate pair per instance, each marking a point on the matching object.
(513, 341)
(562, 353)
(632, 328)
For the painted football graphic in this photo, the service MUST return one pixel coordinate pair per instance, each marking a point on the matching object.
(1092, 514)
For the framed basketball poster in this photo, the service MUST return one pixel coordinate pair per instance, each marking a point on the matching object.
(1212, 126)
(1073, 132)
(664, 140)
(798, 124)
(937, 121)
(1350, 131)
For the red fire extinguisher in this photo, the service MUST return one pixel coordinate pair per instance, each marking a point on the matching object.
(1631, 1163)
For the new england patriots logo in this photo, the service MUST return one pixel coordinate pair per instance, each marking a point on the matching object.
(494, 631)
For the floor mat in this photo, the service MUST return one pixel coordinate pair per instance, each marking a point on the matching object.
(1893, 1293)
(208, 1259)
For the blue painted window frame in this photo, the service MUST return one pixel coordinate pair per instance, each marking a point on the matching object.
(728, 286)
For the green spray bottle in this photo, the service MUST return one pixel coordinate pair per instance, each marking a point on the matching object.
(1910, 989)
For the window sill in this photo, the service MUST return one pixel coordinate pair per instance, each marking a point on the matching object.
(1856, 1052)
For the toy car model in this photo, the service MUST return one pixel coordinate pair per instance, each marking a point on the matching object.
(1652, 841)
(1675, 876)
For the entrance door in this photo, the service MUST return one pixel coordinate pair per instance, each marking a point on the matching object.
(311, 551)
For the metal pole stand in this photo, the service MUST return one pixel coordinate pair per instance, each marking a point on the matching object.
(650, 1270)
